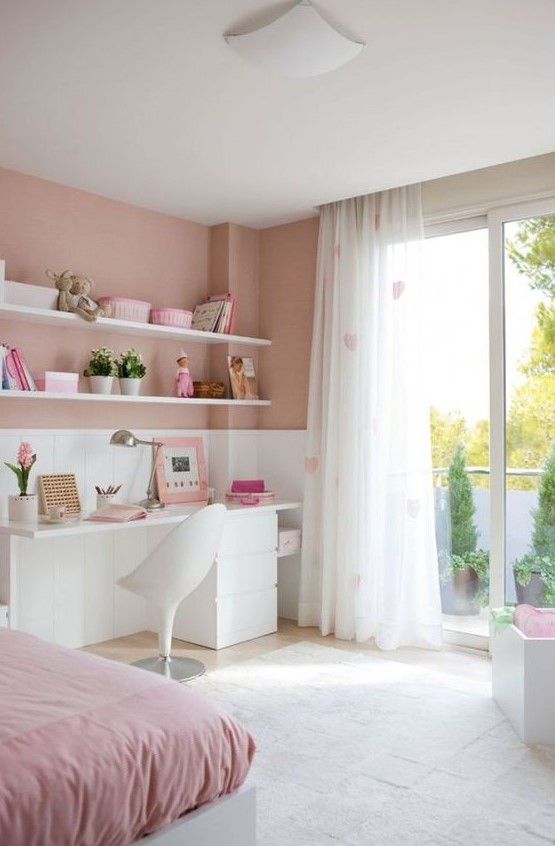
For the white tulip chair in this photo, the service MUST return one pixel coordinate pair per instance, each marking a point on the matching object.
(174, 568)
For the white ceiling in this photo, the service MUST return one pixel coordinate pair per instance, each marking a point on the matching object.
(143, 101)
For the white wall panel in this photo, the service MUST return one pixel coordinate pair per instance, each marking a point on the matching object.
(69, 591)
(99, 468)
(99, 587)
(36, 588)
(130, 548)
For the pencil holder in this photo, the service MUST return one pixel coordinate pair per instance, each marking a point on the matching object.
(105, 499)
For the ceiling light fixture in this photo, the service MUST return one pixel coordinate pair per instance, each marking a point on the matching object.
(299, 43)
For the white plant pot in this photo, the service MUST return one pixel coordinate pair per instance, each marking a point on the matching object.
(130, 387)
(101, 384)
(23, 509)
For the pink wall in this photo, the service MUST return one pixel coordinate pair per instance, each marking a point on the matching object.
(287, 276)
(128, 251)
(133, 252)
(236, 268)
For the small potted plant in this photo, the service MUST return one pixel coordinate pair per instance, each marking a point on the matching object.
(464, 570)
(101, 370)
(23, 507)
(130, 370)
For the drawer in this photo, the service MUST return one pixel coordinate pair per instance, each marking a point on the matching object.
(253, 612)
(254, 572)
(246, 533)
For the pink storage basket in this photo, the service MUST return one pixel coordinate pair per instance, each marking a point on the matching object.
(256, 498)
(177, 317)
(122, 308)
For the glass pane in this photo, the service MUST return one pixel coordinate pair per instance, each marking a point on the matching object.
(530, 415)
(458, 337)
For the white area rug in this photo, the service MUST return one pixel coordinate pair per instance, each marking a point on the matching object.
(354, 749)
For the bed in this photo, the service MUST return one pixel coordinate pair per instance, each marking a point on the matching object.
(97, 753)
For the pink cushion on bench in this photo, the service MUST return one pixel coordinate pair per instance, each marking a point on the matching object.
(535, 622)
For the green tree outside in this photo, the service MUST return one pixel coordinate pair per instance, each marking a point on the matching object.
(543, 539)
(463, 531)
(532, 251)
(531, 411)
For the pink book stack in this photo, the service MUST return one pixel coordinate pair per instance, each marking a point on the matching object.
(15, 374)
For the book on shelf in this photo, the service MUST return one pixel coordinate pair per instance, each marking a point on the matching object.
(24, 369)
(3, 373)
(16, 375)
(215, 314)
(206, 315)
(242, 377)
(228, 313)
(116, 512)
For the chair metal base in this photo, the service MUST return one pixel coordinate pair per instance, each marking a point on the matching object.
(178, 669)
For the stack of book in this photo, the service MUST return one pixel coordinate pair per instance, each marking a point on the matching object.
(14, 372)
(215, 314)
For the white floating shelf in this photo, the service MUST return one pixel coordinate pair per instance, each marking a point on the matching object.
(51, 317)
(79, 397)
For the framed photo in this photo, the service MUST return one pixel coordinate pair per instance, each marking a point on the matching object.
(242, 377)
(181, 470)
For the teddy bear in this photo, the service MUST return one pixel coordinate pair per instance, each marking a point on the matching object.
(73, 294)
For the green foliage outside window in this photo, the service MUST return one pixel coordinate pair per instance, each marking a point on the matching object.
(541, 559)
(464, 535)
(532, 251)
(531, 413)
(463, 531)
(543, 539)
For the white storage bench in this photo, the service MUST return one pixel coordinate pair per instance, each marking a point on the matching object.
(523, 683)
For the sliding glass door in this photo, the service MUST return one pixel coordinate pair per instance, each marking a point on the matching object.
(456, 290)
(490, 300)
(522, 374)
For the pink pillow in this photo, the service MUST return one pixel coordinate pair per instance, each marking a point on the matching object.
(534, 622)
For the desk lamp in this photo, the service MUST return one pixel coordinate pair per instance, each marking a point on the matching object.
(123, 437)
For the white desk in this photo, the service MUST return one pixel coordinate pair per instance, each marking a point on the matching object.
(63, 588)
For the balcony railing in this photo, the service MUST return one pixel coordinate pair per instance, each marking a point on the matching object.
(485, 471)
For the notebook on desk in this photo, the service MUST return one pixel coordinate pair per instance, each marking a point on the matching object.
(118, 513)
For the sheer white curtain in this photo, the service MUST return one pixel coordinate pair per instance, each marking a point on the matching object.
(369, 563)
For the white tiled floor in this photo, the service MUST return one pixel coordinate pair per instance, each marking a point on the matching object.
(471, 664)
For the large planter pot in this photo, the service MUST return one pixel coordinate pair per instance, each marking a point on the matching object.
(23, 509)
(532, 593)
(130, 387)
(457, 596)
(101, 384)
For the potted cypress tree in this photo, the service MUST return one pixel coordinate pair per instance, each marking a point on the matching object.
(534, 573)
(464, 571)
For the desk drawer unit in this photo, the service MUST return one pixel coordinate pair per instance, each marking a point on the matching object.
(238, 599)
(247, 533)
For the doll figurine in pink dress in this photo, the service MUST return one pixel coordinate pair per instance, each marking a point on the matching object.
(183, 379)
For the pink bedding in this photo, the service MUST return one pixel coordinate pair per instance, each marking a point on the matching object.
(96, 753)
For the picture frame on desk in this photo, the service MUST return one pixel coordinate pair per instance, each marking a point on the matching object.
(181, 474)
